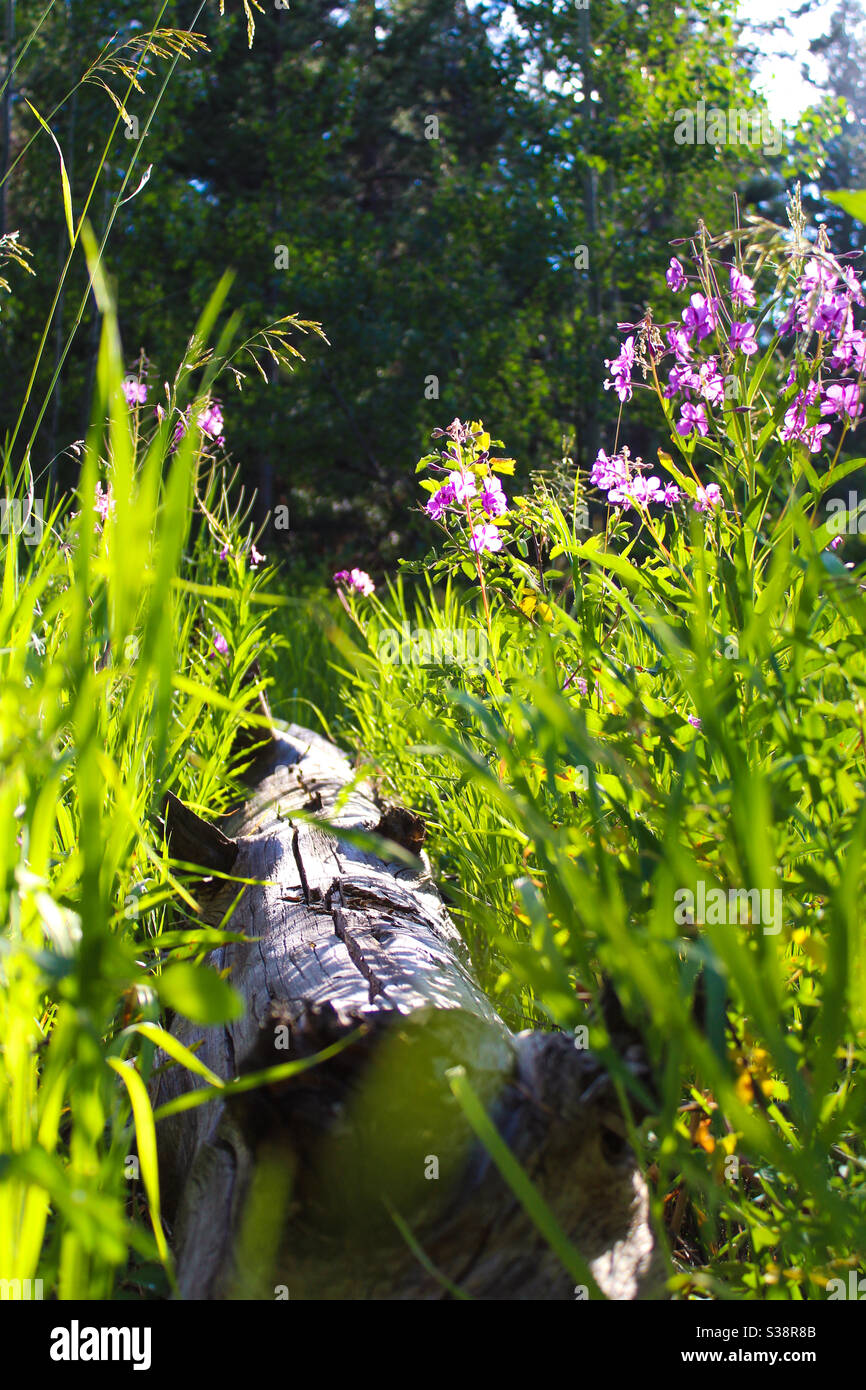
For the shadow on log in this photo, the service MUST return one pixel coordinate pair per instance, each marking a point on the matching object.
(301, 1189)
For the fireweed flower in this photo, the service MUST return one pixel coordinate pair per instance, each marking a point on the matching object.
(210, 422)
(692, 417)
(700, 318)
(843, 399)
(694, 721)
(742, 289)
(853, 285)
(626, 487)
(463, 484)
(608, 472)
(679, 344)
(830, 315)
(638, 492)
(818, 306)
(103, 502)
(256, 556)
(179, 429)
(361, 581)
(575, 680)
(220, 646)
(850, 348)
(743, 338)
(440, 501)
(134, 391)
(681, 378)
(493, 498)
(355, 579)
(817, 277)
(795, 426)
(707, 498)
(814, 437)
(675, 276)
(620, 368)
(823, 304)
(711, 382)
(795, 423)
(485, 537)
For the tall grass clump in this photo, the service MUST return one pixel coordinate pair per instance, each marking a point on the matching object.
(131, 617)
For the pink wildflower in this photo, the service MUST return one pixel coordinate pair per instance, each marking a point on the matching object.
(485, 537)
(134, 391)
(355, 579)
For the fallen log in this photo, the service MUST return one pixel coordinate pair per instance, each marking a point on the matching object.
(360, 1178)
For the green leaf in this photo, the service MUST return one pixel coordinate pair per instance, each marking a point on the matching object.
(852, 201)
(521, 1185)
(145, 1135)
(199, 994)
(170, 1044)
(841, 471)
(667, 463)
(269, 1076)
(610, 560)
(67, 192)
(757, 375)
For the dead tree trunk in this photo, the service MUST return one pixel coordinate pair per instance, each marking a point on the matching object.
(359, 1178)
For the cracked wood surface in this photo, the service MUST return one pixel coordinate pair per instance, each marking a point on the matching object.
(295, 1186)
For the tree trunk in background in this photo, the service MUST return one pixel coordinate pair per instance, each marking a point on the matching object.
(296, 1189)
(587, 441)
(7, 111)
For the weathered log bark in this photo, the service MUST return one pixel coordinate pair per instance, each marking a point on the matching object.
(293, 1189)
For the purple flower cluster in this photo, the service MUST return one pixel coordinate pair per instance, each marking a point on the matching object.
(701, 317)
(795, 424)
(134, 391)
(824, 304)
(821, 305)
(702, 385)
(469, 489)
(462, 485)
(621, 368)
(620, 477)
(210, 422)
(356, 579)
